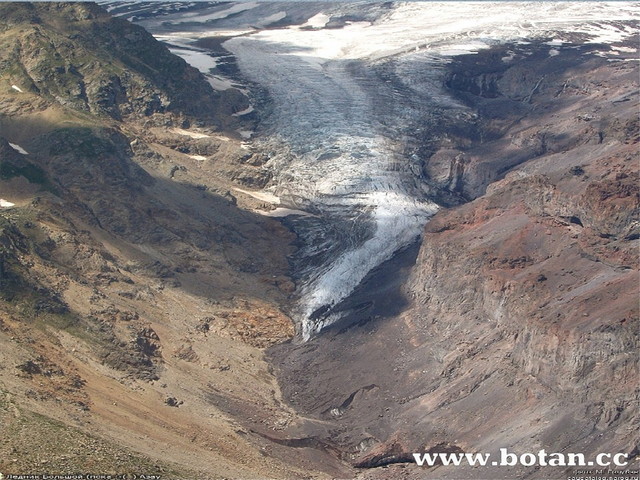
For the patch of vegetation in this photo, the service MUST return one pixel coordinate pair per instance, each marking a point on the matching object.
(37, 304)
(576, 170)
(81, 142)
(29, 299)
(31, 172)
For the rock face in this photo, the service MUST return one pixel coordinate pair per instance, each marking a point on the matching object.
(522, 312)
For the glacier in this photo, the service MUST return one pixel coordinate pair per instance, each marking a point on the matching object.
(335, 127)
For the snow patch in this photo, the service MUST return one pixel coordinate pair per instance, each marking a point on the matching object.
(197, 157)
(221, 83)
(283, 212)
(203, 61)
(17, 88)
(264, 196)
(219, 15)
(461, 49)
(187, 133)
(5, 204)
(246, 134)
(246, 111)
(604, 32)
(626, 49)
(510, 56)
(318, 21)
(276, 17)
(18, 149)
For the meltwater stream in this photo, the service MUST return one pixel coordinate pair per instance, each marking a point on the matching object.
(329, 153)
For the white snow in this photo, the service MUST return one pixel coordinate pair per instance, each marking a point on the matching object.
(198, 17)
(452, 24)
(18, 148)
(17, 88)
(186, 38)
(463, 48)
(318, 21)
(199, 59)
(264, 196)
(604, 33)
(276, 17)
(188, 133)
(246, 134)
(626, 49)
(246, 111)
(283, 212)
(197, 157)
(221, 33)
(5, 204)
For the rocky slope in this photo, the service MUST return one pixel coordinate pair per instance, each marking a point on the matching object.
(81, 57)
(137, 293)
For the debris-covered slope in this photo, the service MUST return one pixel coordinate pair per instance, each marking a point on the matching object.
(137, 292)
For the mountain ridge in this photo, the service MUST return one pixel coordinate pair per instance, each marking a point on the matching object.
(79, 55)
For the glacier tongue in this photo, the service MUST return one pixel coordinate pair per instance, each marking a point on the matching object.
(332, 138)
(331, 159)
(397, 222)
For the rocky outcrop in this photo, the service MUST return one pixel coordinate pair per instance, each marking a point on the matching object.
(80, 57)
(527, 103)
